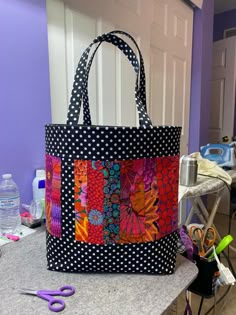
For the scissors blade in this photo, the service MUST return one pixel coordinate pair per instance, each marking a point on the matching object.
(27, 291)
(197, 237)
(210, 237)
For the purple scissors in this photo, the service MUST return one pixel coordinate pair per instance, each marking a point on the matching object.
(54, 304)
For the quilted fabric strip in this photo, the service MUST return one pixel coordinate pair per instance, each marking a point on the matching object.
(80, 195)
(95, 203)
(132, 219)
(167, 185)
(111, 174)
(53, 195)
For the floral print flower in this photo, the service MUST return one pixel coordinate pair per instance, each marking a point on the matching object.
(83, 194)
(115, 198)
(97, 165)
(95, 217)
(109, 164)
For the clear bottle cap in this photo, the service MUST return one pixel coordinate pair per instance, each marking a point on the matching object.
(40, 173)
(7, 176)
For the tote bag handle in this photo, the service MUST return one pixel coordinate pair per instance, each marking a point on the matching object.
(79, 91)
(85, 99)
(140, 88)
(81, 77)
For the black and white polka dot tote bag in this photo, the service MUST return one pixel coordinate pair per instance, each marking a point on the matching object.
(111, 192)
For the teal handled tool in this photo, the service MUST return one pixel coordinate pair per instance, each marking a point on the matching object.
(222, 245)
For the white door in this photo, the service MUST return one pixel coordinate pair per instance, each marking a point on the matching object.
(223, 101)
(163, 30)
(223, 90)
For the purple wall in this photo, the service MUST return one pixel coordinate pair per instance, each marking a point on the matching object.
(24, 90)
(201, 76)
(223, 21)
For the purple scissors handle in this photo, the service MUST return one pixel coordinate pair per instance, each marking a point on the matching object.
(54, 304)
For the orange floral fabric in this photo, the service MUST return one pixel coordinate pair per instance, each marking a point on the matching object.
(126, 201)
(81, 201)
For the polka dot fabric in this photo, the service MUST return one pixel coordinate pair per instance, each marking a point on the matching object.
(155, 257)
(111, 143)
(71, 143)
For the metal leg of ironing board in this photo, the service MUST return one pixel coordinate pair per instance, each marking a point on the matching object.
(210, 218)
(195, 209)
(202, 214)
(204, 210)
(190, 215)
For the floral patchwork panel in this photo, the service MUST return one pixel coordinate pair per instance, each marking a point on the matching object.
(125, 201)
(53, 195)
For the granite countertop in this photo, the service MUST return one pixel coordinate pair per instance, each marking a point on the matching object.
(23, 265)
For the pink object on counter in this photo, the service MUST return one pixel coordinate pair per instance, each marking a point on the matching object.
(12, 237)
(25, 215)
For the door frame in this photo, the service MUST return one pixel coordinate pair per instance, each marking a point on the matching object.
(201, 76)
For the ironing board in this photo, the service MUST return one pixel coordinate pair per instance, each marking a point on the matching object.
(205, 186)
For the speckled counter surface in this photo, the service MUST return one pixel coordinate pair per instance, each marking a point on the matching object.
(23, 265)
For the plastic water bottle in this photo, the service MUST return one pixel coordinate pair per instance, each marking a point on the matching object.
(9, 205)
(38, 186)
